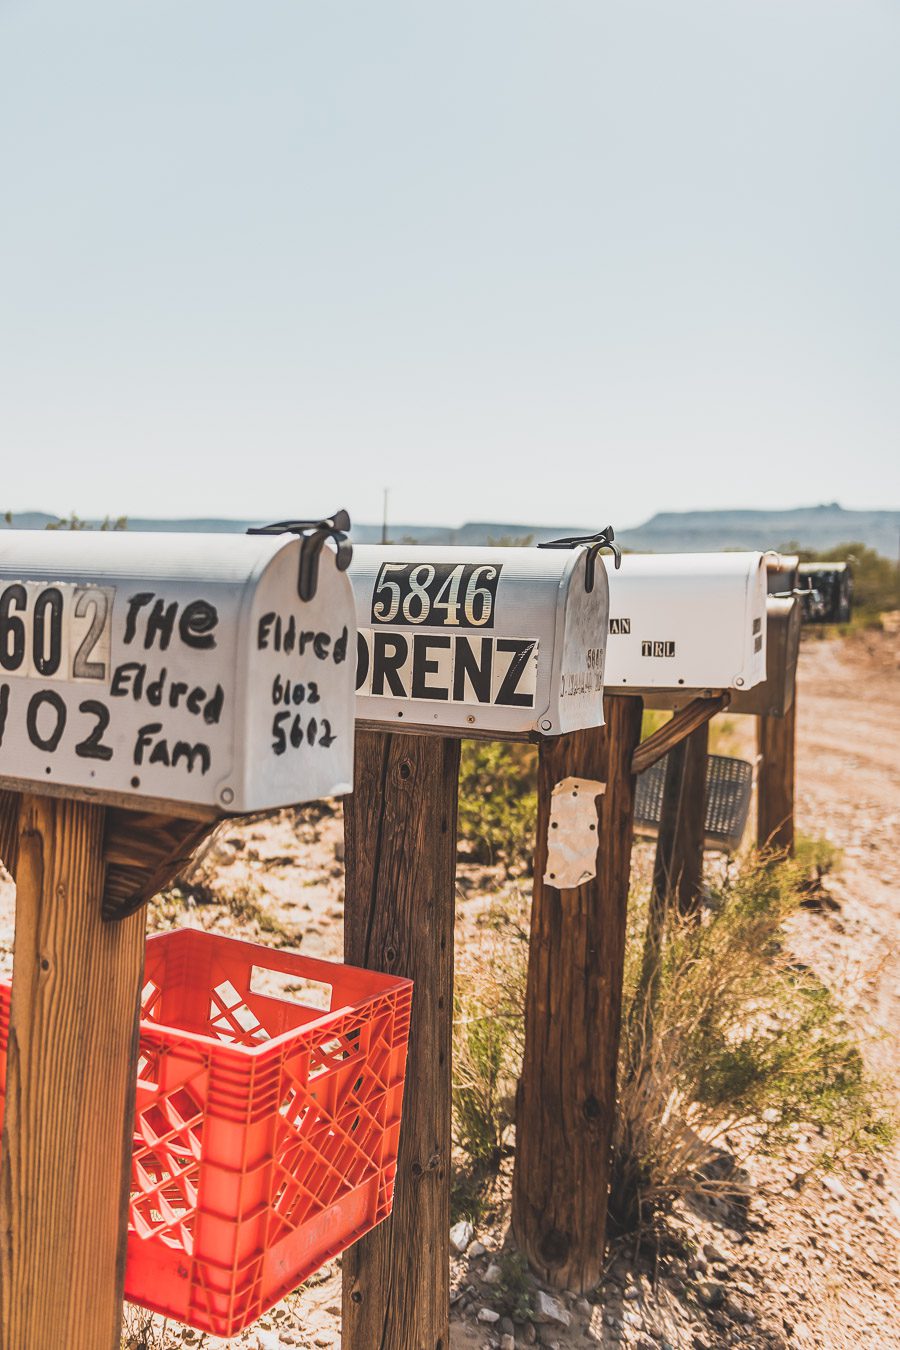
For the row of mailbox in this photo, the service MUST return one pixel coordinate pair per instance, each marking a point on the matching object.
(186, 670)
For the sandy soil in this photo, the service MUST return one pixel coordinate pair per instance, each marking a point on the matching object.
(814, 1262)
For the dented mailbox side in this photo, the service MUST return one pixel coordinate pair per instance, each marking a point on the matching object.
(503, 642)
(686, 623)
(125, 668)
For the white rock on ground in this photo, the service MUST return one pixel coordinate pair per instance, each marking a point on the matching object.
(548, 1309)
(461, 1234)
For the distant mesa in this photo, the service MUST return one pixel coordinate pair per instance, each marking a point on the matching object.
(808, 527)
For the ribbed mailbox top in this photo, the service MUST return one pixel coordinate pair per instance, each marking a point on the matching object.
(504, 642)
(176, 669)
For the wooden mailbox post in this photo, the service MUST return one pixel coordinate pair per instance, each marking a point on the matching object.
(149, 685)
(688, 633)
(774, 703)
(498, 644)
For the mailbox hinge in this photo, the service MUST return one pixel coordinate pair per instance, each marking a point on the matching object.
(313, 534)
(593, 543)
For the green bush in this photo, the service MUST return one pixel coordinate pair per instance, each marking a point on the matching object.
(498, 801)
(738, 1035)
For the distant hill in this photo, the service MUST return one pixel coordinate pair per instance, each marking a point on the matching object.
(808, 527)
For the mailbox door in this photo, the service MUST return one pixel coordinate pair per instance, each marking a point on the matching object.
(687, 622)
(300, 697)
(503, 643)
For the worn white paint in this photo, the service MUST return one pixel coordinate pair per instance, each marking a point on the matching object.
(167, 666)
(490, 641)
(572, 833)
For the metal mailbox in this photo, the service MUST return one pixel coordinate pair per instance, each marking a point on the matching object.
(177, 670)
(827, 591)
(774, 697)
(492, 642)
(686, 624)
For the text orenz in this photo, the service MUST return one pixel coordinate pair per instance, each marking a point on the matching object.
(452, 669)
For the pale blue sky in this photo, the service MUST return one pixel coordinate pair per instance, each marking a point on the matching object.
(563, 261)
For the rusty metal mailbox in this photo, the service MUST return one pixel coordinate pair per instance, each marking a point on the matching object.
(774, 696)
(173, 671)
(504, 643)
(682, 625)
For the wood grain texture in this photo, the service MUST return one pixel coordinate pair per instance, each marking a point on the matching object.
(776, 740)
(678, 867)
(400, 828)
(142, 851)
(682, 724)
(9, 830)
(567, 1093)
(73, 1042)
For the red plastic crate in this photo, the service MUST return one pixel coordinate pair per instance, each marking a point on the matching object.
(266, 1129)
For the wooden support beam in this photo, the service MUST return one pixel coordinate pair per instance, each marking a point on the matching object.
(400, 830)
(71, 1074)
(142, 851)
(567, 1094)
(681, 724)
(776, 739)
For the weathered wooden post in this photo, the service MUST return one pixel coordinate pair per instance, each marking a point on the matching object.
(492, 643)
(149, 685)
(774, 703)
(567, 1093)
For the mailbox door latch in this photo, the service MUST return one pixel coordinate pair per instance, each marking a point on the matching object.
(313, 534)
(593, 543)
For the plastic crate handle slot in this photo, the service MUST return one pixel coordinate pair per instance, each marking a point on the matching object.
(291, 987)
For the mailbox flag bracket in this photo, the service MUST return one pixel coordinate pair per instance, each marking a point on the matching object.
(313, 534)
(593, 543)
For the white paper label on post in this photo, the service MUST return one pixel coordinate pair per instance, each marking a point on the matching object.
(572, 833)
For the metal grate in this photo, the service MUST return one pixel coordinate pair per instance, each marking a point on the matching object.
(729, 785)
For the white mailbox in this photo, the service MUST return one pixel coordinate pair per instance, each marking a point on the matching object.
(177, 670)
(494, 642)
(683, 624)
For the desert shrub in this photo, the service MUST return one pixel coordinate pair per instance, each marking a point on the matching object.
(738, 1040)
(488, 1040)
(498, 801)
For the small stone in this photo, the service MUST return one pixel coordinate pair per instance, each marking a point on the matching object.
(738, 1311)
(529, 1335)
(633, 1292)
(488, 1316)
(493, 1274)
(475, 1249)
(835, 1186)
(507, 1342)
(712, 1253)
(549, 1309)
(461, 1235)
(711, 1294)
(583, 1307)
